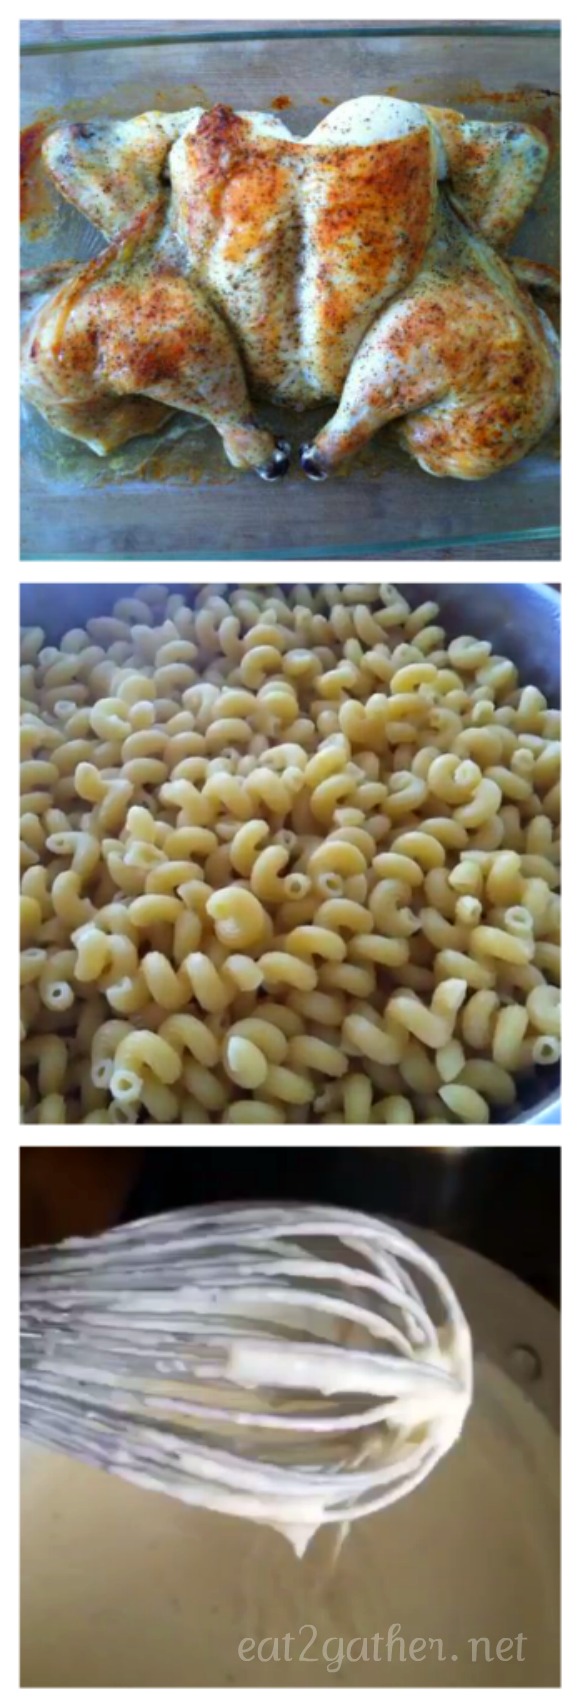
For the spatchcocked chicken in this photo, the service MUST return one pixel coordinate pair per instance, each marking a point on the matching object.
(359, 266)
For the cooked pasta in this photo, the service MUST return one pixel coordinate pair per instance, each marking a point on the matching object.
(287, 855)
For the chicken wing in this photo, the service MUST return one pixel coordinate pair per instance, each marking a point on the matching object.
(493, 171)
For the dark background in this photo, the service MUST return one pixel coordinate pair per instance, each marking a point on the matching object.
(503, 1202)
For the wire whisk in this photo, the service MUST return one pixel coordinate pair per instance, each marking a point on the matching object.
(293, 1365)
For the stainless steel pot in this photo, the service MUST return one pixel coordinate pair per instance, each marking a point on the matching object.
(523, 620)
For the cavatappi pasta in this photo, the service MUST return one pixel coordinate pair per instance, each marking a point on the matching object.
(286, 856)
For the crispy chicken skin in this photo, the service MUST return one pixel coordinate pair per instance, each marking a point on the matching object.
(357, 266)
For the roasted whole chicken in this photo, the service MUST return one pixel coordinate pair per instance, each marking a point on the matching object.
(361, 266)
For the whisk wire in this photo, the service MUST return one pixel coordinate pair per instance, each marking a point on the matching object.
(276, 1362)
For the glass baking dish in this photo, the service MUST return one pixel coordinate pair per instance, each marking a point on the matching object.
(523, 621)
(175, 497)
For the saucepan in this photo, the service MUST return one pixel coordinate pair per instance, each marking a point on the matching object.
(123, 1587)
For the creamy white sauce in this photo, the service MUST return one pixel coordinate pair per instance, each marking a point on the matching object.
(130, 1589)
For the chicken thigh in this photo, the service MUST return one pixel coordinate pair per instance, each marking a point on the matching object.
(358, 266)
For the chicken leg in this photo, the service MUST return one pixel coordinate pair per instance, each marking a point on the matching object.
(126, 339)
(464, 358)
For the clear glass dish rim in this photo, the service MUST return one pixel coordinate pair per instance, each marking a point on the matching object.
(387, 549)
(499, 30)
